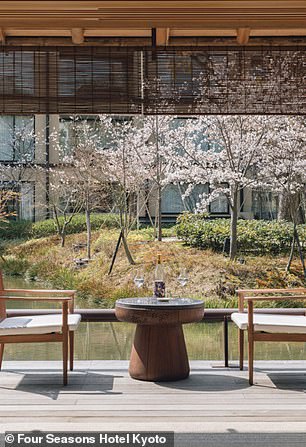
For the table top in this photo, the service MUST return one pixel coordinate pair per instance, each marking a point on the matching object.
(154, 303)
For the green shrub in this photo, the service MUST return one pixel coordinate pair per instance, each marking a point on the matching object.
(14, 266)
(253, 235)
(47, 227)
(15, 229)
(63, 278)
(39, 270)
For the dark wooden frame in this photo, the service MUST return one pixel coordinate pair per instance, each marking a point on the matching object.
(66, 337)
(251, 295)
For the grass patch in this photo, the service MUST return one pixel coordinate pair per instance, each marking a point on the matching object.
(211, 275)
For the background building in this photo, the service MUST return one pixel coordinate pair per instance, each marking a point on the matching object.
(29, 156)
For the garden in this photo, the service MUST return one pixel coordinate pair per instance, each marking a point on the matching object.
(195, 243)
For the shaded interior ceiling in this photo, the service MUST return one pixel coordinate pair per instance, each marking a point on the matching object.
(176, 22)
(181, 57)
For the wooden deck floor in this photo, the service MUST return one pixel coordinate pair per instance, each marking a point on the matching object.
(214, 400)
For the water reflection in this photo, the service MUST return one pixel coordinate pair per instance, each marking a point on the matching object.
(112, 341)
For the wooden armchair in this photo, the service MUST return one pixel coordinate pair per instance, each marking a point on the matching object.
(267, 326)
(58, 327)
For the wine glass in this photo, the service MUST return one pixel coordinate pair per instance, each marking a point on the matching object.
(183, 277)
(139, 279)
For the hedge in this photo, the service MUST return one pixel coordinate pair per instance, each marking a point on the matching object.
(259, 236)
(15, 229)
(77, 225)
(28, 230)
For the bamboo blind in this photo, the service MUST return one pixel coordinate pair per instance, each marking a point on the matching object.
(125, 80)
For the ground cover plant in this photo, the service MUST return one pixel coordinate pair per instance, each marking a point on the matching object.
(212, 276)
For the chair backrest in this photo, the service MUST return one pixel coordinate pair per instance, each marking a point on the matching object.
(2, 303)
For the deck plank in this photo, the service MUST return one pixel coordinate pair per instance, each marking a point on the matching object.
(102, 396)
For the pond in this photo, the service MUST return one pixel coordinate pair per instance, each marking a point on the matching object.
(112, 341)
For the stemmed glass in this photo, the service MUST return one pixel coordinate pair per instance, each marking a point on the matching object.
(183, 277)
(139, 278)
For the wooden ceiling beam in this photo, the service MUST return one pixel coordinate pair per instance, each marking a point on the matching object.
(243, 35)
(135, 23)
(162, 36)
(147, 42)
(174, 32)
(151, 6)
(77, 36)
(2, 36)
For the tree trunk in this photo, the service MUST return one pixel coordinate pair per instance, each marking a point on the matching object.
(234, 220)
(159, 213)
(296, 239)
(138, 210)
(63, 238)
(291, 251)
(88, 227)
(289, 202)
(127, 250)
(63, 232)
(300, 250)
(284, 207)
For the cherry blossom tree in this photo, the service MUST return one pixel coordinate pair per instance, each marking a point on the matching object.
(124, 141)
(224, 152)
(64, 201)
(154, 157)
(84, 183)
(283, 171)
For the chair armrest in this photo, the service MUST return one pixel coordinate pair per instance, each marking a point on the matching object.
(41, 295)
(69, 300)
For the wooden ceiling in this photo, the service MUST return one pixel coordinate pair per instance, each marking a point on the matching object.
(87, 22)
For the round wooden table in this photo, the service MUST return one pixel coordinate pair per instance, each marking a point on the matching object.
(159, 351)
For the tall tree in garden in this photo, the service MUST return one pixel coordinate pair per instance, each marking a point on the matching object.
(84, 167)
(65, 201)
(154, 157)
(224, 152)
(283, 170)
(125, 173)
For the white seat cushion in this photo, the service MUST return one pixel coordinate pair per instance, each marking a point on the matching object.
(273, 324)
(37, 324)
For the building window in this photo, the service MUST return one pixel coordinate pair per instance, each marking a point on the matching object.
(174, 200)
(73, 131)
(264, 205)
(26, 205)
(17, 143)
(20, 206)
(219, 205)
